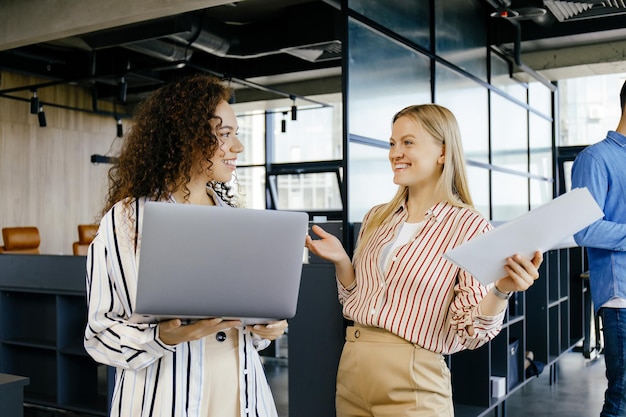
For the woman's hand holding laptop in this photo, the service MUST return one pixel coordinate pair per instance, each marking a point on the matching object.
(269, 331)
(172, 332)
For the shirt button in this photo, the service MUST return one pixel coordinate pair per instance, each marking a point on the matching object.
(373, 311)
(220, 336)
(382, 284)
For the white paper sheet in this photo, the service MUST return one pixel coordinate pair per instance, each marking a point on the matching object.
(542, 229)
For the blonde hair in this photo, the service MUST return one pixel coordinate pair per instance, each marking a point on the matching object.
(441, 124)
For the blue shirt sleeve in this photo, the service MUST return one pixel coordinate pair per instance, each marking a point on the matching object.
(588, 171)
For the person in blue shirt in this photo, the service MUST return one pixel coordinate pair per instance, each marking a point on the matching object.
(600, 168)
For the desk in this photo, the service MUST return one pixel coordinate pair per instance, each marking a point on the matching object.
(12, 394)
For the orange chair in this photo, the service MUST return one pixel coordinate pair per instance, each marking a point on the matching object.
(20, 240)
(86, 233)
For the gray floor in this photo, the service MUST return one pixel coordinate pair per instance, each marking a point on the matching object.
(577, 392)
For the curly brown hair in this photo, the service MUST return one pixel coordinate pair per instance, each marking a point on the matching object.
(172, 132)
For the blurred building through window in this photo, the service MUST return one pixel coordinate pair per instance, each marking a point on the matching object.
(588, 108)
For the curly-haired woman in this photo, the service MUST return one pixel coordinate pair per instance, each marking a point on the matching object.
(182, 149)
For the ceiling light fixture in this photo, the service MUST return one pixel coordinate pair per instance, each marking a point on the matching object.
(34, 103)
(120, 128)
(41, 115)
(122, 90)
(283, 123)
(231, 99)
(294, 109)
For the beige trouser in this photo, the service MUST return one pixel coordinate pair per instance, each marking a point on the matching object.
(222, 373)
(383, 375)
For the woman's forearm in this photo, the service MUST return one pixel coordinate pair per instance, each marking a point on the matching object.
(345, 272)
(492, 305)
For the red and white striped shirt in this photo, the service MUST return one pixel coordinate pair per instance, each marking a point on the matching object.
(419, 295)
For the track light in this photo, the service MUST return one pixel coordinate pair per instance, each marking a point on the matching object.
(232, 99)
(34, 103)
(283, 123)
(294, 110)
(122, 90)
(42, 117)
(120, 128)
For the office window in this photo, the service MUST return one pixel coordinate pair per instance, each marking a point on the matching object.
(314, 136)
(567, 174)
(316, 191)
(588, 108)
(252, 136)
(251, 186)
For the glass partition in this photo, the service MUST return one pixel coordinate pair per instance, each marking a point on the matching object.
(501, 79)
(381, 83)
(540, 98)
(461, 35)
(540, 149)
(371, 179)
(509, 196)
(478, 179)
(509, 134)
(540, 192)
(468, 100)
(410, 19)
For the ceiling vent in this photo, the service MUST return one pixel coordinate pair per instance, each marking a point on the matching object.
(566, 11)
(317, 52)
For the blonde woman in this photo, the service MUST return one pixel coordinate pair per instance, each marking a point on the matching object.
(408, 304)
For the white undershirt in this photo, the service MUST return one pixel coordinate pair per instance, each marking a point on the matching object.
(615, 302)
(406, 233)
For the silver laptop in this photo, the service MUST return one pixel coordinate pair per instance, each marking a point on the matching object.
(202, 261)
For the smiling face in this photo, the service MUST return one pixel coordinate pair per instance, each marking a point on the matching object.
(224, 162)
(416, 157)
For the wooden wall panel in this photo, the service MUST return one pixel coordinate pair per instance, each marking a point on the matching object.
(46, 177)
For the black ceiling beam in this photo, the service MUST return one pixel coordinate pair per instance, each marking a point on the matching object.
(142, 31)
(97, 61)
(263, 66)
(47, 63)
(532, 31)
(260, 87)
